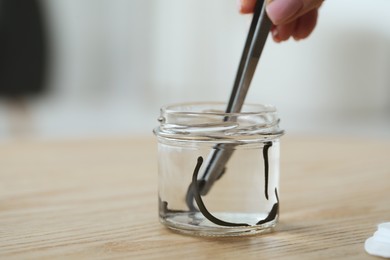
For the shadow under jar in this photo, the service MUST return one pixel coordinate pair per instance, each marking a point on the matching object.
(218, 172)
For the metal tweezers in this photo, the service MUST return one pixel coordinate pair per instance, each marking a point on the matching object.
(218, 158)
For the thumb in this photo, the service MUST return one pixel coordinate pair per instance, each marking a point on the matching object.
(285, 11)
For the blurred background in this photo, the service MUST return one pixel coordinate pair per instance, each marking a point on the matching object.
(86, 68)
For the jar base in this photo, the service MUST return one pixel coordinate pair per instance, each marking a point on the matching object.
(196, 225)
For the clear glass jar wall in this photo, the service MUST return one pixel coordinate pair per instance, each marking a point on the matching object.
(218, 172)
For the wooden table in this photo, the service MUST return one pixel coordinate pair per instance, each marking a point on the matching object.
(96, 199)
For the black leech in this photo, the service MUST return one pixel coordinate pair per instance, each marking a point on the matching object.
(200, 203)
(266, 167)
(274, 211)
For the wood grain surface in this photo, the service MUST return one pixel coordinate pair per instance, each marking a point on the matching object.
(97, 199)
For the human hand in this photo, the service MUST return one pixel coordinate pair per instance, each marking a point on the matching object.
(296, 18)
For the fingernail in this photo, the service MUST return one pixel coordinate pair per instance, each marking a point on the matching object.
(246, 6)
(296, 38)
(275, 35)
(281, 10)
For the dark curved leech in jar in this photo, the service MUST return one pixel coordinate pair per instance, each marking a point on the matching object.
(202, 208)
(200, 203)
(266, 167)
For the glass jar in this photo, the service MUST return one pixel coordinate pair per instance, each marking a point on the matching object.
(218, 173)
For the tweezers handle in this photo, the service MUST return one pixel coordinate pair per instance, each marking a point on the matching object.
(254, 45)
(257, 36)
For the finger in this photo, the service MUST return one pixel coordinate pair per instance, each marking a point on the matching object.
(308, 6)
(283, 32)
(285, 11)
(246, 6)
(281, 10)
(305, 25)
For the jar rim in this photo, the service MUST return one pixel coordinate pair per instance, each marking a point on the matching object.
(208, 121)
(263, 109)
